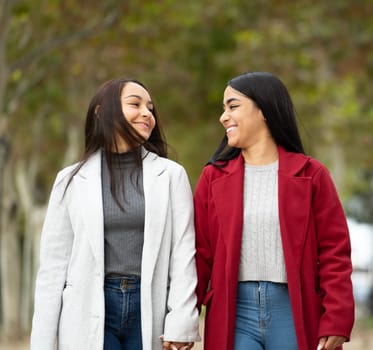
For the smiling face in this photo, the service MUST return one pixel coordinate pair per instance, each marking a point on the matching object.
(242, 119)
(137, 108)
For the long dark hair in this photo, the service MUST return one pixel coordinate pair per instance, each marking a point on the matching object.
(105, 120)
(273, 99)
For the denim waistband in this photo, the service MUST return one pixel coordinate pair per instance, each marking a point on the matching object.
(258, 283)
(129, 278)
(122, 281)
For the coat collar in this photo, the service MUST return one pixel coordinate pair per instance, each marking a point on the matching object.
(92, 167)
(290, 163)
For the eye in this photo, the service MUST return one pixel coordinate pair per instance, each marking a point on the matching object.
(134, 104)
(233, 106)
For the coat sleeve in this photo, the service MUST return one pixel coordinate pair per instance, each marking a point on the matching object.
(204, 254)
(182, 321)
(334, 258)
(55, 250)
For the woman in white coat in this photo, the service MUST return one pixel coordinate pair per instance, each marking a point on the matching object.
(117, 268)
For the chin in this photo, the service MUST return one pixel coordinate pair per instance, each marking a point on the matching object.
(144, 135)
(232, 144)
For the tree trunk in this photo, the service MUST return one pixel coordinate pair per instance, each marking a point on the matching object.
(10, 259)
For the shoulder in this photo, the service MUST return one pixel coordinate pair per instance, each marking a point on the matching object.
(299, 164)
(171, 164)
(166, 163)
(170, 171)
(213, 172)
(315, 167)
(64, 174)
(90, 167)
(320, 175)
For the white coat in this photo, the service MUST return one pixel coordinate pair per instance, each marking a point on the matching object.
(69, 294)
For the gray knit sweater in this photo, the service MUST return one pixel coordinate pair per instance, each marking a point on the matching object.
(261, 251)
(123, 230)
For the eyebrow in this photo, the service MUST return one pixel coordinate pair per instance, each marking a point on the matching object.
(231, 100)
(133, 96)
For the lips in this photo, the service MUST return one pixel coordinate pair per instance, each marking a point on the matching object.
(230, 129)
(143, 125)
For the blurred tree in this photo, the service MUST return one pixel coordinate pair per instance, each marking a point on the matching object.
(360, 204)
(54, 54)
(35, 93)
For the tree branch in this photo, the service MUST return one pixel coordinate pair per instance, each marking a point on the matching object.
(5, 9)
(25, 85)
(50, 45)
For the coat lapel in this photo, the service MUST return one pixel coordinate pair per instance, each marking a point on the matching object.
(227, 195)
(295, 196)
(89, 182)
(156, 193)
(156, 203)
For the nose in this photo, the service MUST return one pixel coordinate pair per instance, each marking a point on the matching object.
(224, 117)
(146, 112)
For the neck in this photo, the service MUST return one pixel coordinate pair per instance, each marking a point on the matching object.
(122, 147)
(261, 154)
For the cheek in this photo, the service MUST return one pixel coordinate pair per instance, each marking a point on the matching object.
(153, 123)
(126, 114)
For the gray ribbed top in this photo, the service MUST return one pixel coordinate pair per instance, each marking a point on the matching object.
(123, 230)
(261, 251)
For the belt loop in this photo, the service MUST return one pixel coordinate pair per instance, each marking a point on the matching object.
(123, 283)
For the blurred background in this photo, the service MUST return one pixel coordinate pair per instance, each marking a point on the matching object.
(54, 55)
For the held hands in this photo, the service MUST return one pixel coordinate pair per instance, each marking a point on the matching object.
(172, 345)
(177, 346)
(330, 342)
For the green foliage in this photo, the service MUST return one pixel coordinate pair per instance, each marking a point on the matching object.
(185, 51)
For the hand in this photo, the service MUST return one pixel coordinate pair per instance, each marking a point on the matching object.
(171, 345)
(330, 342)
(177, 345)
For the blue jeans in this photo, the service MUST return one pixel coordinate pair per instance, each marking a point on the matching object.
(122, 313)
(264, 319)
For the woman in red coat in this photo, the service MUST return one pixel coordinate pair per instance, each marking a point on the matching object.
(273, 248)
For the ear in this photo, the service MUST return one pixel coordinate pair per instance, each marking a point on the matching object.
(97, 109)
(261, 113)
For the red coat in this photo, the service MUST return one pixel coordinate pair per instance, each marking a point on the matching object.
(316, 247)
